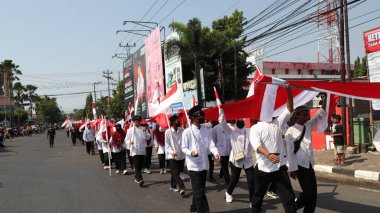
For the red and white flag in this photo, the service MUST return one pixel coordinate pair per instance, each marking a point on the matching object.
(67, 123)
(218, 102)
(193, 101)
(94, 111)
(172, 96)
(251, 90)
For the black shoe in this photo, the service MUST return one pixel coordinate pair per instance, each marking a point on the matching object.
(141, 183)
(193, 209)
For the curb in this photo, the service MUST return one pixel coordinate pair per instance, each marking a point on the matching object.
(362, 174)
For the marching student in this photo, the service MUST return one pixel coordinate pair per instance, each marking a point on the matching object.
(159, 145)
(89, 138)
(173, 138)
(102, 138)
(266, 140)
(149, 149)
(300, 154)
(240, 156)
(50, 135)
(117, 144)
(137, 137)
(223, 144)
(196, 142)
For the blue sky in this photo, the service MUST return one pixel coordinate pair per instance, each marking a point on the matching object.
(63, 46)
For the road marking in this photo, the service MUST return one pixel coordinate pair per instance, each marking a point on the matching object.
(370, 190)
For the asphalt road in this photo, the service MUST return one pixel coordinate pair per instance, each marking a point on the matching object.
(36, 178)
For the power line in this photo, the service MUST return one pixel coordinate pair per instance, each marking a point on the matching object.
(74, 93)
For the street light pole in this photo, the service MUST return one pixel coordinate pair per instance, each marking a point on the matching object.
(107, 75)
(342, 64)
(95, 83)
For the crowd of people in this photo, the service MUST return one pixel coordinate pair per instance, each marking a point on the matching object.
(270, 153)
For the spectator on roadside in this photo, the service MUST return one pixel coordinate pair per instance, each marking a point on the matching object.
(337, 134)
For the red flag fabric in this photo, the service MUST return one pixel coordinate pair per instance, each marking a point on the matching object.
(194, 102)
(172, 96)
(218, 102)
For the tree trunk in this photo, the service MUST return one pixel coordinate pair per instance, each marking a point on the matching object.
(198, 77)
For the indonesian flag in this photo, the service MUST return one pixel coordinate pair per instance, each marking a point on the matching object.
(67, 123)
(155, 102)
(218, 102)
(128, 116)
(94, 110)
(193, 101)
(172, 96)
(251, 90)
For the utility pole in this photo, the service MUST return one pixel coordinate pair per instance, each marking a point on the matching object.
(342, 64)
(349, 74)
(107, 74)
(95, 83)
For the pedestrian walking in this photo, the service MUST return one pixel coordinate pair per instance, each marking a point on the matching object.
(223, 144)
(89, 138)
(117, 144)
(159, 144)
(51, 136)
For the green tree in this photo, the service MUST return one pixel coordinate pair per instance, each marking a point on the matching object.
(87, 110)
(117, 101)
(2, 115)
(363, 70)
(22, 115)
(193, 45)
(47, 110)
(227, 46)
(10, 71)
(101, 106)
(357, 67)
(31, 97)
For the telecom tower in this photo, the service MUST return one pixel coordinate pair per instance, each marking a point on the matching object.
(328, 32)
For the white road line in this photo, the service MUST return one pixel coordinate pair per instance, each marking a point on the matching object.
(370, 190)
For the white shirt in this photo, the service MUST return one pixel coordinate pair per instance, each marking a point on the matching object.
(89, 135)
(177, 140)
(268, 135)
(221, 140)
(138, 136)
(102, 142)
(151, 142)
(199, 140)
(239, 141)
(305, 155)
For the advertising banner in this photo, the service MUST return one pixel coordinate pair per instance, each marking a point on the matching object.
(154, 70)
(128, 82)
(139, 76)
(372, 48)
(173, 71)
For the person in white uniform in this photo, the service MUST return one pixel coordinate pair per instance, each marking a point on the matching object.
(223, 144)
(266, 140)
(174, 154)
(241, 156)
(301, 155)
(196, 142)
(137, 137)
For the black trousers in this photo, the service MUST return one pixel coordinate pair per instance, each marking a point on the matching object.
(235, 175)
(148, 157)
(284, 188)
(181, 165)
(120, 165)
(130, 159)
(211, 166)
(272, 187)
(123, 154)
(101, 154)
(90, 147)
(224, 172)
(106, 159)
(161, 160)
(138, 160)
(198, 183)
(175, 170)
(51, 141)
(308, 183)
(73, 140)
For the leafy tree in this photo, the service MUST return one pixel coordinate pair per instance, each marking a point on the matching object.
(363, 70)
(47, 110)
(19, 91)
(357, 67)
(101, 106)
(2, 115)
(22, 115)
(193, 45)
(117, 101)
(31, 96)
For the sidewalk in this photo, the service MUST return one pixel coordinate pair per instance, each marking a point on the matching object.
(360, 166)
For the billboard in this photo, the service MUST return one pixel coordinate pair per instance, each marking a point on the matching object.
(372, 48)
(154, 70)
(173, 72)
(139, 87)
(128, 82)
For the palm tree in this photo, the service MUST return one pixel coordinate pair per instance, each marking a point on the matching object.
(192, 45)
(10, 71)
(31, 96)
(19, 97)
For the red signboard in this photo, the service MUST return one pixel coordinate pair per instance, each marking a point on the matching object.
(372, 40)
